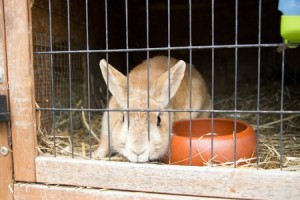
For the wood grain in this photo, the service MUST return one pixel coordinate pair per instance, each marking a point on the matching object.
(21, 87)
(171, 179)
(5, 161)
(38, 191)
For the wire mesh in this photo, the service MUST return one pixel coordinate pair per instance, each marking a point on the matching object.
(63, 94)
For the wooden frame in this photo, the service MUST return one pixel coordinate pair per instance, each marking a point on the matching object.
(5, 161)
(139, 181)
(170, 179)
(21, 87)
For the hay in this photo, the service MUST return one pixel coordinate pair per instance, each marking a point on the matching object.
(270, 145)
(61, 142)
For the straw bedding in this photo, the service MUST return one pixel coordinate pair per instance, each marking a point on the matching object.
(268, 126)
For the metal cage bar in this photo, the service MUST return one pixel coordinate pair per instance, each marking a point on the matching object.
(281, 109)
(52, 77)
(258, 82)
(148, 49)
(212, 78)
(169, 92)
(190, 79)
(70, 78)
(107, 90)
(88, 73)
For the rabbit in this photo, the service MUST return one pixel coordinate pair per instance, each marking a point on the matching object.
(131, 135)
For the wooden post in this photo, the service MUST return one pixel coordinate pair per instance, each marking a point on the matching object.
(21, 87)
(5, 160)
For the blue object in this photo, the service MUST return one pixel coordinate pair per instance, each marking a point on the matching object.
(289, 7)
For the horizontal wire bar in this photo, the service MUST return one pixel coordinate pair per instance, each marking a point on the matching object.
(232, 46)
(176, 110)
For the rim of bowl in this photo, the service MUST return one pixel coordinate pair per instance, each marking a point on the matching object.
(240, 133)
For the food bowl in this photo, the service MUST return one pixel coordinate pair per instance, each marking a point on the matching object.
(201, 142)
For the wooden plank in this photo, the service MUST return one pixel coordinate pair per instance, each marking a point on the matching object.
(21, 87)
(5, 161)
(171, 179)
(38, 191)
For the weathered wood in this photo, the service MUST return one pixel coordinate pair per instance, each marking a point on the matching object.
(6, 174)
(21, 87)
(37, 192)
(171, 179)
(6, 179)
(5, 161)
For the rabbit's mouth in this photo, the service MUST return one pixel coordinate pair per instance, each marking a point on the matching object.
(143, 158)
(137, 155)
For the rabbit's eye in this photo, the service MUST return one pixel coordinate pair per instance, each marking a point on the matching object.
(158, 121)
(123, 118)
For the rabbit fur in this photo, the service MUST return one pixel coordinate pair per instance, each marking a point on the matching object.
(139, 135)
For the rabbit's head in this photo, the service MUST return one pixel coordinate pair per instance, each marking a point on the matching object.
(141, 132)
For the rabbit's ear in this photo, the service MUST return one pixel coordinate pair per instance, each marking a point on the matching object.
(117, 82)
(161, 88)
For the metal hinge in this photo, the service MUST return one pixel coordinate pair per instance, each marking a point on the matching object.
(4, 114)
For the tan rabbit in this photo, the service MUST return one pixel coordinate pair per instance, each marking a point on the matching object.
(131, 135)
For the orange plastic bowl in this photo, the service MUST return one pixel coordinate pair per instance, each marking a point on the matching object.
(201, 142)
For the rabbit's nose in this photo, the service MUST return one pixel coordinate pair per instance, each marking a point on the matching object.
(138, 151)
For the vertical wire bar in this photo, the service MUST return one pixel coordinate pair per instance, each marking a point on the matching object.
(281, 107)
(88, 72)
(235, 77)
(107, 89)
(190, 82)
(169, 81)
(148, 66)
(70, 77)
(52, 77)
(127, 57)
(258, 84)
(212, 78)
